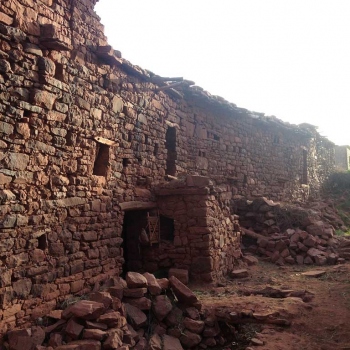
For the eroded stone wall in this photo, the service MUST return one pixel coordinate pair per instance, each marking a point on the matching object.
(83, 131)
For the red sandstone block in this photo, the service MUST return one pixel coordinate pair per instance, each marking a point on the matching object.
(5, 19)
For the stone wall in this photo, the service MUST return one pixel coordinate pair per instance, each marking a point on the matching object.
(342, 158)
(207, 236)
(83, 131)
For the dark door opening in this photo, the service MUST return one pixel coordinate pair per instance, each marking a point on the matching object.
(170, 145)
(134, 222)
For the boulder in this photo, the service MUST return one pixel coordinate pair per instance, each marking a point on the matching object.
(171, 343)
(135, 280)
(136, 317)
(153, 286)
(182, 293)
(85, 309)
(161, 306)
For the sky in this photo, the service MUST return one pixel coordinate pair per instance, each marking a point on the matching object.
(287, 58)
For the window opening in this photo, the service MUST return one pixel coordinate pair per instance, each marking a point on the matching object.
(170, 144)
(102, 160)
(156, 149)
(126, 162)
(167, 228)
(304, 179)
(42, 242)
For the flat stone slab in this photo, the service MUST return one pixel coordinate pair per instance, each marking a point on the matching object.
(240, 273)
(314, 273)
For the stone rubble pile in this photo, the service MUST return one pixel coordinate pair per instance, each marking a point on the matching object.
(140, 312)
(312, 239)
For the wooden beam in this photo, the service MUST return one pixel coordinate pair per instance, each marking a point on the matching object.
(137, 205)
(105, 141)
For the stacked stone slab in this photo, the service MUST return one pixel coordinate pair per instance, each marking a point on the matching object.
(312, 242)
(138, 313)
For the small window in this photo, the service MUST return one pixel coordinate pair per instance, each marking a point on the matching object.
(42, 242)
(126, 162)
(102, 160)
(201, 153)
(156, 149)
(304, 177)
(167, 228)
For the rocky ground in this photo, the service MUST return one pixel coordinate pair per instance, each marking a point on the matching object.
(319, 322)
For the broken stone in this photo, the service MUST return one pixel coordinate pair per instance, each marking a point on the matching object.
(182, 293)
(240, 273)
(161, 306)
(85, 309)
(136, 317)
(135, 280)
(314, 273)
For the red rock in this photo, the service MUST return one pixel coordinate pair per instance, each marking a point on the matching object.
(174, 318)
(250, 260)
(130, 336)
(182, 293)
(180, 274)
(141, 345)
(135, 316)
(116, 292)
(134, 292)
(73, 329)
(163, 283)
(104, 298)
(171, 343)
(240, 273)
(192, 313)
(313, 252)
(86, 309)
(161, 306)
(96, 334)
(193, 325)
(155, 342)
(310, 241)
(96, 325)
(189, 339)
(113, 319)
(55, 340)
(26, 339)
(153, 286)
(135, 280)
(114, 340)
(81, 345)
(141, 303)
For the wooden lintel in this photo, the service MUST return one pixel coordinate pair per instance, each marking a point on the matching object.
(137, 205)
(105, 141)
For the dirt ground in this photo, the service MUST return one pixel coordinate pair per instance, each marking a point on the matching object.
(323, 323)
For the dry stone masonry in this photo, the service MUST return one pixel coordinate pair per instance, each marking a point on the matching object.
(86, 142)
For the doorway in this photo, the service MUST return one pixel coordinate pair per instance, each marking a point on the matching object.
(134, 222)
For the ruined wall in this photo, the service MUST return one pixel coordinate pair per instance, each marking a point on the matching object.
(83, 131)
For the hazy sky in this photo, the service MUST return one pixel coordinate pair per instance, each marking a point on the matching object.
(288, 58)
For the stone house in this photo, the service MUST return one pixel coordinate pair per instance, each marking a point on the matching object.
(88, 146)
